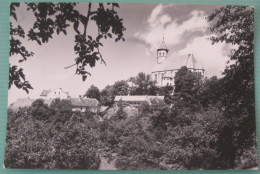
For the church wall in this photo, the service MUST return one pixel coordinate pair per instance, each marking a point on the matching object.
(167, 82)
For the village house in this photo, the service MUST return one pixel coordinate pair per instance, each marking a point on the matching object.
(56, 93)
(78, 104)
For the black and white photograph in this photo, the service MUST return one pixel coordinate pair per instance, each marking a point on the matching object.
(131, 86)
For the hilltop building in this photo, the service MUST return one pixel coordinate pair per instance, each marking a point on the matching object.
(164, 70)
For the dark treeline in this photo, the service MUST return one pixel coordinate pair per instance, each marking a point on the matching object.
(196, 131)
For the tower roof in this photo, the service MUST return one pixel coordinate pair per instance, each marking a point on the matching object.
(163, 45)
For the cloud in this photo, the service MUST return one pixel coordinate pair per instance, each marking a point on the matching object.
(160, 22)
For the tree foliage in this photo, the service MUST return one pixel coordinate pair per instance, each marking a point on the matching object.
(143, 85)
(93, 92)
(56, 18)
(187, 86)
(235, 25)
(63, 140)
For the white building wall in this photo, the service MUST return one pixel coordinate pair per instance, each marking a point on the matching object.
(57, 93)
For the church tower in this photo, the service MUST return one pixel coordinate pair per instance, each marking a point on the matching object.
(162, 52)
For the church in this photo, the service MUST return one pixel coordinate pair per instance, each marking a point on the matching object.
(164, 70)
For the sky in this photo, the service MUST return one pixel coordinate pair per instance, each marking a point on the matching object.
(185, 31)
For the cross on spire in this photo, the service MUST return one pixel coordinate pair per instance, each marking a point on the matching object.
(163, 37)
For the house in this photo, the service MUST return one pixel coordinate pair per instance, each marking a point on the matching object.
(164, 70)
(56, 93)
(136, 100)
(83, 104)
(26, 102)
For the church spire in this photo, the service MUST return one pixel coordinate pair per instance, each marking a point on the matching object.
(162, 52)
(163, 45)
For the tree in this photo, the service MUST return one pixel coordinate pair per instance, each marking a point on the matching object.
(143, 85)
(107, 97)
(108, 94)
(120, 88)
(167, 92)
(210, 92)
(93, 92)
(120, 114)
(36, 143)
(54, 18)
(39, 109)
(235, 25)
(187, 84)
(157, 111)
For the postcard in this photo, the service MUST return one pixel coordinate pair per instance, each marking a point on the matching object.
(124, 86)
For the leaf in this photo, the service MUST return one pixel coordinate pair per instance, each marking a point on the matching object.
(75, 26)
(65, 32)
(90, 38)
(21, 73)
(109, 35)
(99, 37)
(84, 77)
(115, 4)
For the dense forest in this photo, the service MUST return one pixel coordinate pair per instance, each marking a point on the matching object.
(203, 123)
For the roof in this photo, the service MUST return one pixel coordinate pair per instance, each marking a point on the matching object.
(163, 46)
(84, 102)
(192, 62)
(23, 102)
(176, 61)
(103, 108)
(137, 97)
(45, 92)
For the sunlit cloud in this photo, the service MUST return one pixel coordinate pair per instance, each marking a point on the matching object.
(160, 22)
